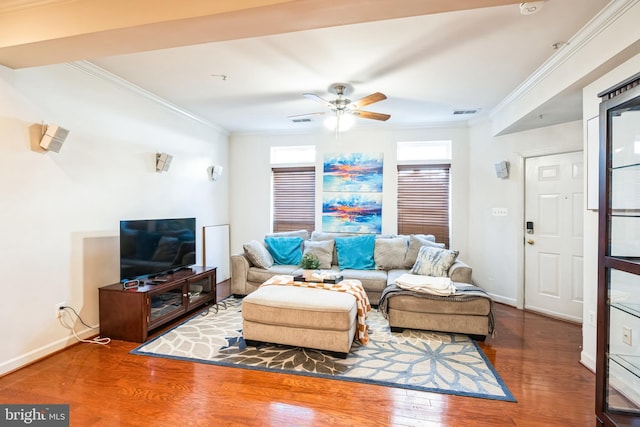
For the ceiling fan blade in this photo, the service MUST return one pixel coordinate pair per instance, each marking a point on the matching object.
(374, 97)
(301, 116)
(370, 115)
(314, 97)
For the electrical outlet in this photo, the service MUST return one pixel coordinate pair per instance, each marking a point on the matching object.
(626, 335)
(592, 318)
(59, 307)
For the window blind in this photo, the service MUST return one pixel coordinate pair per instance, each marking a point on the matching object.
(294, 196)
(423, 200)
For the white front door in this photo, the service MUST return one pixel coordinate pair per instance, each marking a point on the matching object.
(553, 244)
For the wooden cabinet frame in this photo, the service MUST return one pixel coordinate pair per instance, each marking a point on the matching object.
(130, 314)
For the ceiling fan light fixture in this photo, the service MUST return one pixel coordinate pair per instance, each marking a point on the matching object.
(340, 122)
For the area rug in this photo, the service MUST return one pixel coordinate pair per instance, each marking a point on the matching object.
(416, 360)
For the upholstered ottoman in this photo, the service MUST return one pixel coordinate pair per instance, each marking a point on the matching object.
(300, 316)
(470, 312)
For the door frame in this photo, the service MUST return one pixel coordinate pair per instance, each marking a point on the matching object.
(521, 160)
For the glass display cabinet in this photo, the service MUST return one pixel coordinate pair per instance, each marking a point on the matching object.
(618, 347)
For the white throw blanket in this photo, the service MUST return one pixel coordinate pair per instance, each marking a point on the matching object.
(429, 284)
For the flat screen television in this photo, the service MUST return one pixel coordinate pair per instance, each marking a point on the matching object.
(153, 247)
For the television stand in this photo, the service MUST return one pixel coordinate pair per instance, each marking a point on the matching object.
(130, 314)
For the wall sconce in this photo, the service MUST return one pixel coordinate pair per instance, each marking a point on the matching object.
(214, 172)
(53, 137)
(502, 169)
(531, 7)
(163, 161)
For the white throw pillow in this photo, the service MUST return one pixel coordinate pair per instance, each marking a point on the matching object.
(434, 261)
(415, 243)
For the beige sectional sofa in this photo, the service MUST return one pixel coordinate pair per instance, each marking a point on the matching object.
(392, 256)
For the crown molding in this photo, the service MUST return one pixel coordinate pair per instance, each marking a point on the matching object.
(94, 70)
(591, 30)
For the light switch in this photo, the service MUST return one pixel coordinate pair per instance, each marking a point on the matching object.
(499, 211)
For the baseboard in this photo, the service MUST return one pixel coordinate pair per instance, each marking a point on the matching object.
(588, 361)
(42, 352)
(503, 300)
(553, 314)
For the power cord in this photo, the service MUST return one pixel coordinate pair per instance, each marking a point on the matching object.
(65, 313)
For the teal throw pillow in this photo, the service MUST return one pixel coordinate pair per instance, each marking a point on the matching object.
(285, 250)
(356, 252)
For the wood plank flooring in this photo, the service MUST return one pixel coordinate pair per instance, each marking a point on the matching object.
(537, 357)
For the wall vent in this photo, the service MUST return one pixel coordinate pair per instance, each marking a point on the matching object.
(458, 112)
(304, 120)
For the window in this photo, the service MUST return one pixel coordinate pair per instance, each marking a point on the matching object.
(424, 151)
(423, 188)
(293, 155)
(294, 188)
(294, 198)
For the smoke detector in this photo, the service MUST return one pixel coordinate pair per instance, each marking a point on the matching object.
(531, 7)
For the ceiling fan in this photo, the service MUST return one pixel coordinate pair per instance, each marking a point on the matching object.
(343, 109)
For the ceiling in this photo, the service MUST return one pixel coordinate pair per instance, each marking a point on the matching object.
(429, 62)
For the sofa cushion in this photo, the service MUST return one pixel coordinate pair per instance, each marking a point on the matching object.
(300, 307)
(321, 235)
(261, 275)
(417, 241)
(434, 261)
(372, 280)
(303, 234)
(323, 249)
(389, 253)
(392, 275)
(356, 252)
(429, 237)
(285, 250)
(258, 254)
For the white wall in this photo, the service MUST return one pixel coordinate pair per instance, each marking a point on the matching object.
(492, 245)
(251, 175)
(496, 243)
(591, 104)
(59, 213)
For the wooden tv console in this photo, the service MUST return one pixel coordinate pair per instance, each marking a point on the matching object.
(130, 314)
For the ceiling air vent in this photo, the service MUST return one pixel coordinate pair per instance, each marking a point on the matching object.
(301, 120)
(458, 112)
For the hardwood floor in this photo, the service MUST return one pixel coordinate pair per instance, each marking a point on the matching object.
(537, 358)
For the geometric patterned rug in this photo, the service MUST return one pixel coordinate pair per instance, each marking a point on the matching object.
(418, 360)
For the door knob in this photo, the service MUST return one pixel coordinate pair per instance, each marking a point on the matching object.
(530, 241)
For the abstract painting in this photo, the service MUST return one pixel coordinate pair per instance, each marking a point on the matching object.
(352, 193)
(352, 212)
(353, 172)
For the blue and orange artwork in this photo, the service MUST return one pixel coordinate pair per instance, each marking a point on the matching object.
(353, 172)
(352, 212)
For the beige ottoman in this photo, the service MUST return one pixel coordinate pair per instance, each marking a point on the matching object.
(301, 317)
(472, 317)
